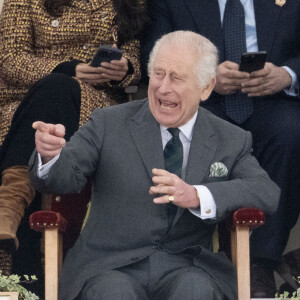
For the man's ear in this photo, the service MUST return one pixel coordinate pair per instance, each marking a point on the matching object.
(206, 91)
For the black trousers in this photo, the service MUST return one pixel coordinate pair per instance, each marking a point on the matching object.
(275, 127)
(54, 99)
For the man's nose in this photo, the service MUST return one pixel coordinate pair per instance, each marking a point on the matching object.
(165, 85)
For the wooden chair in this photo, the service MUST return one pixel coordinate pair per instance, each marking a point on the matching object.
(53, 224)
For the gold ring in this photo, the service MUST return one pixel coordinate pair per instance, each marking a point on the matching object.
(171, 199)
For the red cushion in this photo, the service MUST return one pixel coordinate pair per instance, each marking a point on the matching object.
(252, 217)
(41, 220)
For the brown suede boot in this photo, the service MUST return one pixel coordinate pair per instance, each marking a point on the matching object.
(16, 193)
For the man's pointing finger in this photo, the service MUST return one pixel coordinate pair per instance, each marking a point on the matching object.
(41, 126)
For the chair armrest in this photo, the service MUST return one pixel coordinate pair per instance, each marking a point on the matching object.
(52, 224)
(250, 217)
(41, 220)
(130, 91)
(243, 220)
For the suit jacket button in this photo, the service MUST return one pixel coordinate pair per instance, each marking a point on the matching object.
(208, 211)
(161, 245)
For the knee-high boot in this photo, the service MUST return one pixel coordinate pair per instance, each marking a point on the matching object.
(16, 193)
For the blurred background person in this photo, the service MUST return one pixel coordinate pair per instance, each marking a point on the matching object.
(45, 49)
(265, 102)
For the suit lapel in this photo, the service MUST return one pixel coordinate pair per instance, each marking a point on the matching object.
(206, 14)
(266, 17)
(146, 135)
(203, 147)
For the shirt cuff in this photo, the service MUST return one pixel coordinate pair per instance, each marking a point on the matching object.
(43, 170)
(207, 209)
(293, 90)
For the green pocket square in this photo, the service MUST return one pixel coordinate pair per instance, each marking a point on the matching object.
(218, 169)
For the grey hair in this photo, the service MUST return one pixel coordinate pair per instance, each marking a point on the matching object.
(206, 53)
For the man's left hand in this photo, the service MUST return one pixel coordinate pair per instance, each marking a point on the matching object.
(267, 81)
(170, 184)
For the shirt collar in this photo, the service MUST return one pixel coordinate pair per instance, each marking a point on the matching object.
(186, 129)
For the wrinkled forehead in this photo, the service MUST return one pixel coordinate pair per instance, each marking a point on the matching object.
(176, 57)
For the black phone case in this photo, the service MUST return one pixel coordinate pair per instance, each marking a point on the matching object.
(106, 54)
(253, 61)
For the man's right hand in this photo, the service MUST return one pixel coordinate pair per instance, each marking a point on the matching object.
(229, 78)
(49, 139)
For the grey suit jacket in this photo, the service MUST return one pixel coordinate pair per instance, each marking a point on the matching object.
(117, 148)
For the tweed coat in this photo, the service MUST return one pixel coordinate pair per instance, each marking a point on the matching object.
(33, 44)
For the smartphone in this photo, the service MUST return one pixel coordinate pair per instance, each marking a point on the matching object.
(253, 61)
(106, 54)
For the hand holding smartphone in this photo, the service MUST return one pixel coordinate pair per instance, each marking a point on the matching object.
(253, 61)
(106, 54)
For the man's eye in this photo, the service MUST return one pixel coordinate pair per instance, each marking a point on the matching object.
(176, 78)
(159, 74)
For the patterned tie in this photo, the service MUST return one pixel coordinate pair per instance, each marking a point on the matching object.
(238, 106)
(173, 155)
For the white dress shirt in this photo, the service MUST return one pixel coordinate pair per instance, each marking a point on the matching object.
(251, 39)
(207, 209)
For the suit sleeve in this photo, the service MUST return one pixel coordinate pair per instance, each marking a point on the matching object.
(78, 160)
(248, 185)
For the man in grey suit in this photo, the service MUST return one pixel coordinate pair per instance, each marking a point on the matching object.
(149, 232)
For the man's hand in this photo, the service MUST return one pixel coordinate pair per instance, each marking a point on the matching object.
(49, 139)
(170, 184)
(229, 78)
(267, 81)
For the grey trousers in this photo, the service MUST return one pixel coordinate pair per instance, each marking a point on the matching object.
(161, 276)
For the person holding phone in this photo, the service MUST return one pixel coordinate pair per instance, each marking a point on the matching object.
(269, 98)
(45, 72)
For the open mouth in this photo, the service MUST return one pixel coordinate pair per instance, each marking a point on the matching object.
(167, 104)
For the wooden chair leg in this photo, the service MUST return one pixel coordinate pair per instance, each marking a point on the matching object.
(53, 262)
(233, 247)
(243, 262)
